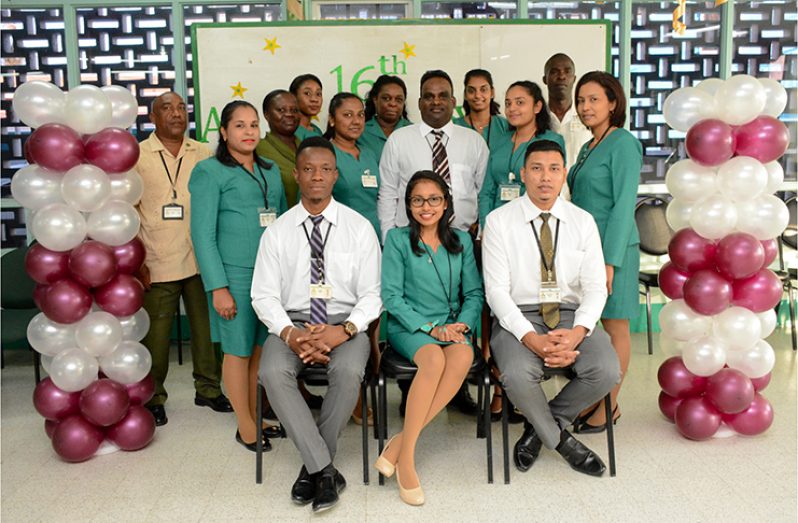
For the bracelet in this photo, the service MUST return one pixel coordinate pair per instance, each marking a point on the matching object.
(288, 335)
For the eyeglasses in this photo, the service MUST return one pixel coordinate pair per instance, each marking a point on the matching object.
(433, 201)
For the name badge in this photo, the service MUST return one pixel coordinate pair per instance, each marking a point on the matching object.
(323, 291)
(266, 216)
(368, 179)
(549, 293)
(509, 192)
(172, 211)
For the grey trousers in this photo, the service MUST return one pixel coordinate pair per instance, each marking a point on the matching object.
(596, 368)
(279, 366)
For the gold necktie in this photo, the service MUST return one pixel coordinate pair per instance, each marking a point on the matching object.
(549, 311)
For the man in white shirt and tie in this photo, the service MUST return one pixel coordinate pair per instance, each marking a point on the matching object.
(546, 285)
(316, 286)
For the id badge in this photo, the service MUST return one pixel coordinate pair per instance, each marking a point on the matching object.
(549, 293)
(266, 216)
(172, 211)
(323, 291)
(368, 180)
(509, 192)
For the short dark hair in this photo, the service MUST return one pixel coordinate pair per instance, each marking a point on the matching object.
(222, 152)
(542, 119)
(435, 73)
(479, 73)
(297, 82)
(379, 83)
(557, 56)
(314, 142)
(335, 104)
(269, 98)
(614, 91)
(541, 146)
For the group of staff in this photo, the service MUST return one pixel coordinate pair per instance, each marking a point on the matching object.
(302, 239)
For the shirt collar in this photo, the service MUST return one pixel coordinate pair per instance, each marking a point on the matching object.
(447, 129)
(157, 146)
(532, 211)
(330, 213)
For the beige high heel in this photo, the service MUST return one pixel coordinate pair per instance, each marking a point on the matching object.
(385, 467)
(413, 496)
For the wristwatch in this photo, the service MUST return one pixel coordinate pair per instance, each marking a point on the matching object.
(349, 329)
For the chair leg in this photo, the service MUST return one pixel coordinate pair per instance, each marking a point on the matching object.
(505, 439)
(648, 321)
(259, 436)
(37, 360)
(480, 424)
(365, 427)
(791, 302)
(382, 416)
(486, 422)
(179, 338)
(375, 406)
(610, 433)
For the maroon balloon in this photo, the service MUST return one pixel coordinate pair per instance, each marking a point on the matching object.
(104, 402)
(671, 281)
(760, 292)
(739, 255)
(730, 391)
(710, 142)
(66, 301)
(39, 294)
(92, 263)
(764, 138)
(130, 256)
(668, 404)
(112, 150)
(75, 439)
(55, 146)
(142, 391)
(771, 248)
(707, 292)
(26, 152)
(49, 427)
(135, 431)
(691, 252)
(122, 296)
(697, 419)
(46, 266)
(53, 403)
(756, 419)
(761, 383)
(677, 381)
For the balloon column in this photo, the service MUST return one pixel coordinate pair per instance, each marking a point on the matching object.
(727, 219)
(80, 187)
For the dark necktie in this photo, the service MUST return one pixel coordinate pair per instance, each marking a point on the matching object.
(549, 311)
(318, 306)
(440, 162)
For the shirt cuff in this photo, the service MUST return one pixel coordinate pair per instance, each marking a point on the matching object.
(281, 324)
(520, 327)
(358, 319)
(584, 321)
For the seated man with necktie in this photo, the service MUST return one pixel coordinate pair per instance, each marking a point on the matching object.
(546, 284)
(316, 286)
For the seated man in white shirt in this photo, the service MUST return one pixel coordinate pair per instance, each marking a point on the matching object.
(546, 284)
(316, 286)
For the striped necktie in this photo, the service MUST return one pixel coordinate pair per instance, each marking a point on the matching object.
(318, 306)
(440, 162)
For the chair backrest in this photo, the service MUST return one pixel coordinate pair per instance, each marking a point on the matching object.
(790, 233)
(655, 233)
(16, 287)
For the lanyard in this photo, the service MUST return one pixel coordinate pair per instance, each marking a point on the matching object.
(582, 160)
(318, 256)
(173, 184)
(438, 274)
(324, 244)
(512, 154)
(540, 248)
(490, 121)
(264, 189)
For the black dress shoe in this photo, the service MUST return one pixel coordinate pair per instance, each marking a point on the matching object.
(160, 415)
(220, 403)
(527, 448)
(463, 401)
(274, 432)
(267, 446)
(329, 482)
(581, 458)
(314, 402)
(584, 427)
(304, 489)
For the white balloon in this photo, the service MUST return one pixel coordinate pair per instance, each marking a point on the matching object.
(88, 109)
(126, 186)
(776, 96)
(689, 181)
(98, 333)
(754, 362)
(705, 356)
(46, 361)
(135, 327)
(115, 223)
(678, 213)
(35, 187)
(768, 320)
(129, 363)
(742, 178)
(37, 103)
(710, 85)
(740, 99)
(48, 337)
(58, 227)
(124, 106)
(775, 176)
(670, 346)
(714, 217)
(73, 370)
(724, 431)
(763, 217)
(737, 327)
(687, 106)
(85, 187)
(679, 322)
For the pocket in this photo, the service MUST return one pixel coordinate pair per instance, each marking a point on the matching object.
(569, 263)
(340, 269)
(462, 181)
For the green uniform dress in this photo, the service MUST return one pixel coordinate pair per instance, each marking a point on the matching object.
(226, 230)
(302, 133)
(351, 188)
(414, 294)
(504, 171)
(274, 149)
(494, 133)
(373, 137)
(604, 183)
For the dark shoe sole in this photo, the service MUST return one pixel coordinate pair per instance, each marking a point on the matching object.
(205, 402)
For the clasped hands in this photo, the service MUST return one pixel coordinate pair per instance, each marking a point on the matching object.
(452, 332)
(314, 342)
(558, 348)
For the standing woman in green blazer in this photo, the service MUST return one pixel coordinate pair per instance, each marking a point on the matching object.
(236, 194)
(307, 90)
(386, 112)
(604, 182)
(432, 292)
(481, 110)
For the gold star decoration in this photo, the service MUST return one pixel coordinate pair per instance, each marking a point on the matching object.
(408, 50)
(238, 90)
(271, 45)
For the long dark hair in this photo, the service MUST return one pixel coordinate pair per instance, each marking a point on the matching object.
(222, 152)
(542, 119)
(336, 102)
(480, 73)
(379, 83)
(614, 91)
(446, 235)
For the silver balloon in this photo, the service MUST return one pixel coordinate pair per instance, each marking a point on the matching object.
(679, 322)
(705, 356)
(73, 370)
(35, 187)
(670, 346)
(115, 223)
(88, 109)
(687, 106)
(768, 320)
(135, 327)
(46, 361)
(776, 96)
(85, 187)
(124, 107)
(37, 103)
(98, 333)
(689, 181)
(48, 337)
(58, 227)
(740, 99)
(763, 217)
(775, 176)
(710, 85)
(754, 362)
(742, 178)
(678, 214)
(737, 327)
(126, 186)
(714, 217)
(128, 363)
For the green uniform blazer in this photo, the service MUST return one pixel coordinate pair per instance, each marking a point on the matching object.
(349, 189)
(373, 137)
(494, 133)
(302, 133)
(275, 150)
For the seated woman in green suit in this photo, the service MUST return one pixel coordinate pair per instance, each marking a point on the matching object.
(529, 120)
(386, 112)
(279, 144)
(307, 90)
(236, 195)
(432, 291)
(481, 110)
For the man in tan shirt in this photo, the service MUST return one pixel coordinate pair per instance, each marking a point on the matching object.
(170, 269)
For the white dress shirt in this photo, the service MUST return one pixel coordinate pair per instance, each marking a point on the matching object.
(575, 135)
(409, 150)
(511, 263)
(281, 281)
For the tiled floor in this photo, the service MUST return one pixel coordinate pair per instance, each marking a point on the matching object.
(194, 471)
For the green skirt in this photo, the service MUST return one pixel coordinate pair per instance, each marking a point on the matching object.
(624, 302)
(239, 335)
